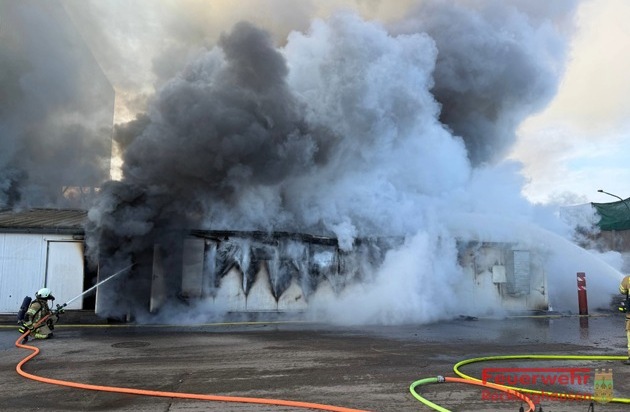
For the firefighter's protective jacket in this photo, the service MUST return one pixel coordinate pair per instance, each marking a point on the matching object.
(36, 311)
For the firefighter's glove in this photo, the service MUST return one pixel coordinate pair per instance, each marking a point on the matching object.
(51, 324)
(59, 310)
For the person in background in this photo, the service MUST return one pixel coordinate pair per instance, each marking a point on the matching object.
(624, 288)
(37, 310)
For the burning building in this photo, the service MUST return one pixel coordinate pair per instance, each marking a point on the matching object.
(336, 162)
(351, 131)
(231, 271)
(288, 272)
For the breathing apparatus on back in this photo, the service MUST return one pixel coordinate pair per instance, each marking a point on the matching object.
(42, 294)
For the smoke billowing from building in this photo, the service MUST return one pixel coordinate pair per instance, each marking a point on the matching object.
(56, 109)
(352, 128)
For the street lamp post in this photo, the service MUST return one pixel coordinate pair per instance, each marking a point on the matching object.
(610, 194)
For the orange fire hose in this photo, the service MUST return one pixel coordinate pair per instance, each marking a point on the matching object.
(216, 398)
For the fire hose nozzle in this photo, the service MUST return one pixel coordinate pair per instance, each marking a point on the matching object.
(59, 309)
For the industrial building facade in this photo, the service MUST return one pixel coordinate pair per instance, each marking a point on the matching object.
(239, 271)
(42, 248)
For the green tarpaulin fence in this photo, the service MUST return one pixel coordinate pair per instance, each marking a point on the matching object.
(614, 216)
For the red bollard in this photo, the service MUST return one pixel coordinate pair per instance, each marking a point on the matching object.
(581, 287)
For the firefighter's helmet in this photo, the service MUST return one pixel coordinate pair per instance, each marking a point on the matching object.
(44, 293)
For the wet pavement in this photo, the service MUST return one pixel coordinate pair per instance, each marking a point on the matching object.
(360, 367)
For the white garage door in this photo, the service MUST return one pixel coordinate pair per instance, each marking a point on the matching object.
(64, 272)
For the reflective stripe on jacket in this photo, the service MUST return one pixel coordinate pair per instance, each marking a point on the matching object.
(37, 310)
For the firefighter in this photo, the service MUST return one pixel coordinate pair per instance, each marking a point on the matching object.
(624, 288)
(36, 311)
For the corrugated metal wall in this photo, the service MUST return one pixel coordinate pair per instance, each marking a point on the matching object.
(22, 268)
(29, 262)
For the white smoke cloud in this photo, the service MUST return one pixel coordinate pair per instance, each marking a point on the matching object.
(418, 282)
(387, 152)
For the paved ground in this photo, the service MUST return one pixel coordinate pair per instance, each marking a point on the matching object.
(367, 368)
